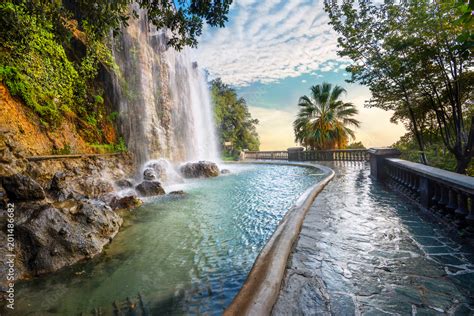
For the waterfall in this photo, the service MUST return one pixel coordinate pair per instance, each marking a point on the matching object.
(164, 104)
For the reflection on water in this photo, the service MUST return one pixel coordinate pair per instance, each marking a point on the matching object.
(185, 255)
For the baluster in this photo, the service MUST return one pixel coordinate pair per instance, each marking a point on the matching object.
(470, 209)
(461, 211)
(416, 188)
(397, 177)
(443, 202)
(391, 174)
(406, 182)
(401, 175)
(452, 201)
(436, 196)
(402, 180)
(409, 183)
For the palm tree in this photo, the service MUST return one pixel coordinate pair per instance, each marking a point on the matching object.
(323, 119)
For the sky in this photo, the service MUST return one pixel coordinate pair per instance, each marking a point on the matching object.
(272, 52)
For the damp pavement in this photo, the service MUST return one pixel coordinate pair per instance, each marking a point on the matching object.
(364, 250)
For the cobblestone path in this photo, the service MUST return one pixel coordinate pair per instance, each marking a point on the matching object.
(364, 250)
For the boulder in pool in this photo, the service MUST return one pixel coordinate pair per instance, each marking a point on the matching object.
(150, 188)
(177, 193)
(124, 183)
(125, 202)
(201, 169)
(56, 237)
(225, 171)
(149, 174)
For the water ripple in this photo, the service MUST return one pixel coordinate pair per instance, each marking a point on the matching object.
(185, 256)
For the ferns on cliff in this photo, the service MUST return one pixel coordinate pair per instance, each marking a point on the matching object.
(51, 65)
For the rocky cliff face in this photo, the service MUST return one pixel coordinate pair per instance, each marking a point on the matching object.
(64, 209)
(24, 126)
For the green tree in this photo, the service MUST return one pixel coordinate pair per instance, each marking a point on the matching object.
(355, 145)
(233, 120)
(413, 54)
(183, 18)
(323, 119)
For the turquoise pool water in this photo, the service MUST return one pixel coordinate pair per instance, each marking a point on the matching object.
(184, 255)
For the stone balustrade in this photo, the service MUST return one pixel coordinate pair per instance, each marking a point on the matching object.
(447, 193)
(266, 155)
(333, 155)
(298, 154)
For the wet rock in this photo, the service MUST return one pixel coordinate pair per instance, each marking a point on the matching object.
(177, 193)
(125, 202)
(58, 181)
(22, 188)
(158, 169)
(58, 187)
(225, 171)
(3, 197)
(93, 187)
(150, 188)
(201, 169)
(149, 174)
(124, 183)
(52, 238)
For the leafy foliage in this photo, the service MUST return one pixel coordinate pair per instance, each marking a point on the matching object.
(36, 65)
(233, 120)
(355, 145)
(323, 119)
(120, 146)
(436, 153)
(416, 58)
(184, 18)
(51, 52)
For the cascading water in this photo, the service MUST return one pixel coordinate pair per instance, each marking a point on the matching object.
(164, 103)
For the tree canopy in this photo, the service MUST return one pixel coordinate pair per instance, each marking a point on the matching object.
(184, 18)
(323, 120)
(233, 120)
(416, 58)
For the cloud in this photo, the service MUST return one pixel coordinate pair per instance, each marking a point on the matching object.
(268, 40)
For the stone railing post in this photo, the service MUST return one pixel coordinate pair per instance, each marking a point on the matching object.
(293, 153)
(377, 161)
(242, 155)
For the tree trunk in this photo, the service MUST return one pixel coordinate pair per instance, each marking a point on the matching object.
(461, 164)
(418, 136)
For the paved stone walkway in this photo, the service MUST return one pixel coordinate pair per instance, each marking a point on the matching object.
(366, 251)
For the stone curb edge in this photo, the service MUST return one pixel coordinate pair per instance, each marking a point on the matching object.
(261, 289)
